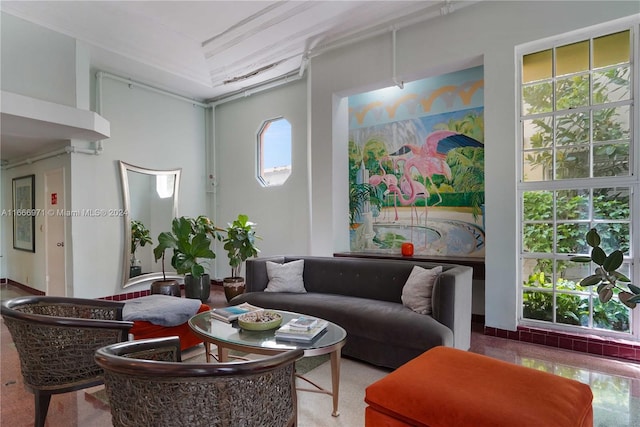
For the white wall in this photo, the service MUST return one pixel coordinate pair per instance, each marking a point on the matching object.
(39, 62)
(281, 213)
(490, 30)
(28, 268)
(149, 130)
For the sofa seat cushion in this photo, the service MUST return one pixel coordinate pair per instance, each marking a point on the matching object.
(386, 322)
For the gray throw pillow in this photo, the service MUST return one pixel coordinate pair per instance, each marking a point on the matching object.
(285, 277)
(416, 293)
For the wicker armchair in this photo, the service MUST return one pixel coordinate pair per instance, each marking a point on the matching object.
(147, 384)
(56, 339)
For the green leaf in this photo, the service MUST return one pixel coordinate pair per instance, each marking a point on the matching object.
(635, 299)
(634, 289)
(197, 270)
(593, 238)
(590, 280)
(581, 259)
(613, 261)
(598, 255)
(621, 277)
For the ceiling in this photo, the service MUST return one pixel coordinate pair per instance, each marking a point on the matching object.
(207, 50)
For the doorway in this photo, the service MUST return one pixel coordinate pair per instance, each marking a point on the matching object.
(54, 223)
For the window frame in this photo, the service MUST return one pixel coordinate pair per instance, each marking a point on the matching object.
(632, 180)
(264, 127)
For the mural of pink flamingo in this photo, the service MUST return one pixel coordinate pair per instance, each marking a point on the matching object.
(391, 182)
(408, 187)
(430, 158)
(415, 189)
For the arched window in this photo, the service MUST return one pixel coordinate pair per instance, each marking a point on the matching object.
(274, 152)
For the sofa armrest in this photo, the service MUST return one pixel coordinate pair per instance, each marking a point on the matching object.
(257, 279)
(451, 302)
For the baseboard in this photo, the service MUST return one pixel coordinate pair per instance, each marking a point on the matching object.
(25, 288)
(591, 344)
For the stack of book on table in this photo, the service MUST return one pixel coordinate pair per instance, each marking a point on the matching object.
(302, 329)
(231, 313)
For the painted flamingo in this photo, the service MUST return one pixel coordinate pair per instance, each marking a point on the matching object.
(408, 187)
(391, 182)
(412, 187)
(429, 159)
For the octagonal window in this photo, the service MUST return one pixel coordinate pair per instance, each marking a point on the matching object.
(274, 152)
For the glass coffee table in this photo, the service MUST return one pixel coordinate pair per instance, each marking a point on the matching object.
(229, 336)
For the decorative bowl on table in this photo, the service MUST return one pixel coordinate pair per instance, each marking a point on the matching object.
(260, 320)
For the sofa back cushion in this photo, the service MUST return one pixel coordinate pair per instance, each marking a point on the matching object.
(365, 278)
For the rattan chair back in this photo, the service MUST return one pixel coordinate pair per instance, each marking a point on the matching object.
(56, 339)
(147, 384)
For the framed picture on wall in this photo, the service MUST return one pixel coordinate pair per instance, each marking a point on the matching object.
(24, 218)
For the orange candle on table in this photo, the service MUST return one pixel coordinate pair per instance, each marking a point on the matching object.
(407, 249)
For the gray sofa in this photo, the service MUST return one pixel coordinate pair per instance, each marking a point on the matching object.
(364, 297)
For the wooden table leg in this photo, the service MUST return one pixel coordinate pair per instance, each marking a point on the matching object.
(223, 354)
(207, 351)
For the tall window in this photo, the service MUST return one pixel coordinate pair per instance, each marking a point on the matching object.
(577, 168)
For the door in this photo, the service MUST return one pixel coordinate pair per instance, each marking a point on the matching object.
(54, 222)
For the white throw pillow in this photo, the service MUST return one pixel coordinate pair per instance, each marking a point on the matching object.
(416, 293)
(285, 277)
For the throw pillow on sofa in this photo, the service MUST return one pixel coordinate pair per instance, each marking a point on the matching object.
(416, 293)
(285, 277)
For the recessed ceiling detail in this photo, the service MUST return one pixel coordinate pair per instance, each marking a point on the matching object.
(193, 47)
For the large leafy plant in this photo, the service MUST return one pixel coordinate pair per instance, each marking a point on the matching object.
(240, 243)
(606, 275)
(190, 239)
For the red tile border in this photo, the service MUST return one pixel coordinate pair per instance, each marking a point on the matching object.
(599, 346)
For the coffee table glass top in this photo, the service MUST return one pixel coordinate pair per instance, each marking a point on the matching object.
(231, 333)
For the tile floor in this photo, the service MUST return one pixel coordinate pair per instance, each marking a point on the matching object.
(615, 383)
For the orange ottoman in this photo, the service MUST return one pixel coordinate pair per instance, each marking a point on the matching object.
(142, 330)
(446, 387)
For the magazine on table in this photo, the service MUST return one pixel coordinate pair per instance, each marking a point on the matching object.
(286, 332)
(231, 313)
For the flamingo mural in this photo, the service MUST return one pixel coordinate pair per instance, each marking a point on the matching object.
(429, 159)
(431, 155)
(408, 187)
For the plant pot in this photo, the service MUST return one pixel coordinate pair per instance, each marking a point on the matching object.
(135, 270)
(166, 287)
(233, 286)
(197, 288)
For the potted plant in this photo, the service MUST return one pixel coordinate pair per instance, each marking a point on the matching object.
(240, 245)
(190, 239)
(164, 286)
(606, 276)
(140, 236)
